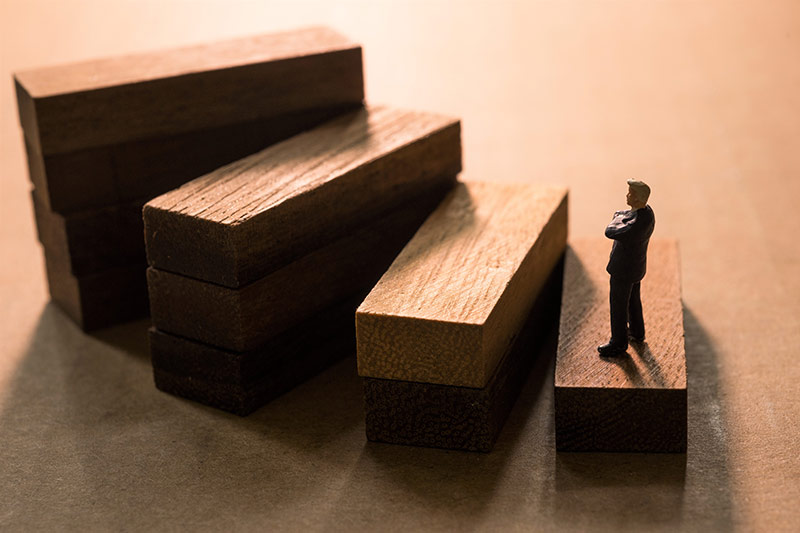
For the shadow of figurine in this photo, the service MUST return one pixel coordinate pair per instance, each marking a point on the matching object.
(646, 371)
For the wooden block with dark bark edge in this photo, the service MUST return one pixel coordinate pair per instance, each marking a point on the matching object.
(137, 171)
(98, 300)
(244, 318)
(92, 241)
(110, 101)
(241, 382)
(242, 221)
(631, 403)
(445, 310)
(443, 416)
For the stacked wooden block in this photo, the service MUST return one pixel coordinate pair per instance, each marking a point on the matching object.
(443, 338)
(636, 402)
(105, 136)
(256, 269)
(292, 201)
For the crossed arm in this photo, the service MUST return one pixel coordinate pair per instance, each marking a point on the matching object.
(621, 228)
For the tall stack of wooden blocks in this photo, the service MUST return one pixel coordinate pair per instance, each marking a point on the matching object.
(256, 269)
(105, 136)
(441, 338)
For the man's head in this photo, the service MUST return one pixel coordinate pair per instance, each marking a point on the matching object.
(638, 193)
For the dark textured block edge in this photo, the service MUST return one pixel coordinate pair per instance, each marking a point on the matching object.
(137, 171)
(245, 318)
(241, 382)
(102, 299)
(620, 420)
(92, 241)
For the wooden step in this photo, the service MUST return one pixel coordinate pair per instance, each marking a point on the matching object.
(244, 318)
(243, 221)
(110, 101)
(635, 402)
(444, 416)
(448, 307)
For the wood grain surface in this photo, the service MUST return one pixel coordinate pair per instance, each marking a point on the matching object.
(92, 241)
(634, 402)
(445, 310)
(110, 101)
(462, 418)
(241, 382)
(142, 169)
(244, 220)
(243, 319)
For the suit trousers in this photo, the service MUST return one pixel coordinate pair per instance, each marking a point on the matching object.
(626, 308)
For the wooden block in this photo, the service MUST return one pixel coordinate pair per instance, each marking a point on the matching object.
(101, 299)
(242, 382)
(110, 101)
(92, 241)
(65, 183)
(443, 416)
(244, 318)
(447, 307)
(241, 222)
(141, 170)
(631, 403)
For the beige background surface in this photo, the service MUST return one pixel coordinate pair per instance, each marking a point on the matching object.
(701, 99)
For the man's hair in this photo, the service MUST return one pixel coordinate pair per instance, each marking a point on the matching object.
(640, 189)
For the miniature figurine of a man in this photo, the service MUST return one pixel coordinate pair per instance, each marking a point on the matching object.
(631, 232)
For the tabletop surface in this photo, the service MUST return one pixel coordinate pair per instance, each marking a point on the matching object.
(700, 99)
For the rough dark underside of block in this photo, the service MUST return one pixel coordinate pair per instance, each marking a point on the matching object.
(441, 416)
(242, 382)
(620, 420)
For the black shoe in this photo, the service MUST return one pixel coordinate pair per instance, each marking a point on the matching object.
(610, 349)
(637, 338)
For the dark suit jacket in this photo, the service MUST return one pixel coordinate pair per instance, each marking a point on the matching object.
(631, 232)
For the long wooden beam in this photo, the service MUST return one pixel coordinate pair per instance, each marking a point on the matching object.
(110, 101)
(457, 295)
(245, 220)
